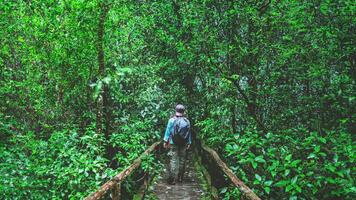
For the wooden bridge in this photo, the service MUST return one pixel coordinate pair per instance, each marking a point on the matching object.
(205, 173)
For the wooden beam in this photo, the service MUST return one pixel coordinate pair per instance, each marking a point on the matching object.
(121, 176)
(236, 181)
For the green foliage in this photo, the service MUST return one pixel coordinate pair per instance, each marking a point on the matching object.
(67, 165)
(269, 84)
(132, 140)
(230, 193)
(277, 165)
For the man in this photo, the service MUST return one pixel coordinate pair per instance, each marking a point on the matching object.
(178, 139)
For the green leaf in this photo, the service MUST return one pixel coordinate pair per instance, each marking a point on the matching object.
(258, 177)
(294, 180)
(331, 168)
(260, 159)
(295, 163)
(298, 189)
(340, 174)
(235, 77)
(317, 149)
(312, 155)
(289, 157)
(268, 183)
(281, 183)
(223, 191)
(267, 189)
(293, 198)
(254, 165)
(107, 80)
(324, 8)
(20, 39)
(322, 140)
(289, 188)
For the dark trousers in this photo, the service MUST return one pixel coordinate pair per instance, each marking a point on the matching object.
(177, 163)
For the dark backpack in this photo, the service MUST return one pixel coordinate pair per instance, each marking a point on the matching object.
(181, 127)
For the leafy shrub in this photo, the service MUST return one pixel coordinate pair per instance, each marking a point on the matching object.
(68, 165)
(291, 164)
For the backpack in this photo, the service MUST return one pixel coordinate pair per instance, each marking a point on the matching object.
(181, 127)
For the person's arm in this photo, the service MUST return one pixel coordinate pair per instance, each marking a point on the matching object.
(189, 138)
(167, 133)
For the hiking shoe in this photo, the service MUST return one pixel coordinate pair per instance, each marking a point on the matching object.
(171, 181)
(180, 179)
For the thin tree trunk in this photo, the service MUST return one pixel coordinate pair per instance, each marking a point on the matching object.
(233, 119)
(101, 61)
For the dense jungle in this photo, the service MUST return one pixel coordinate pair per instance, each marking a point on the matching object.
(87, 85)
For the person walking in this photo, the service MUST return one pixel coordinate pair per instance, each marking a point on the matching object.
(177, 139)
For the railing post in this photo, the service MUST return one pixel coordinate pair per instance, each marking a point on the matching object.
(116, 192)
(114, 185)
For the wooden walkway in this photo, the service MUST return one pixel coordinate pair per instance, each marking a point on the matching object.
(190, 189)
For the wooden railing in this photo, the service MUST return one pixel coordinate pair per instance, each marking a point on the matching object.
(245, 190)
(114, 185)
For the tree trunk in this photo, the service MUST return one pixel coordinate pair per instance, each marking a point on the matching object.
(233, 119)
(102, 98)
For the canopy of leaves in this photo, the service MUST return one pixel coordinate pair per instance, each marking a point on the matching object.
(269, 84)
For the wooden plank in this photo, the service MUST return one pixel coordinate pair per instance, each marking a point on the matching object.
(236, 181)
(121, 176)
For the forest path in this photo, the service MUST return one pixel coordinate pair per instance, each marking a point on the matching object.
(198, 182)
(190, 189)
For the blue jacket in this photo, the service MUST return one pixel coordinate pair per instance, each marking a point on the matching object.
(169, 131)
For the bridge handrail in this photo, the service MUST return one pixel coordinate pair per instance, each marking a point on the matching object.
(228, 172)
(115, 183)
